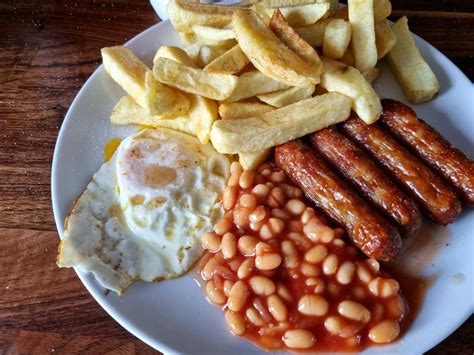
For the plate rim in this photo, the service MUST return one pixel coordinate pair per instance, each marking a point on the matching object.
(85, 278)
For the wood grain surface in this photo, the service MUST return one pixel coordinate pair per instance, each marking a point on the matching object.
(48, 49)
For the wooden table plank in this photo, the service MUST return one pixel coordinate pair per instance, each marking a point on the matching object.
(48, 49)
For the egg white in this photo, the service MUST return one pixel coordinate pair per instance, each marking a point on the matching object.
(142, 214)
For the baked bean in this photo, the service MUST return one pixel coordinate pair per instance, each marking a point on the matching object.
(214, 294)
(211, 241)
(277, 308)
(235, 322)
(291, 255)
(262, 285)
(373, 265)
(334, 324)
(274, 330)
(256, 226)
(313, 305)
(229, 245)
(261, 192)
(208, 269)
(236, 167)
(318, 232)
(263, 167)
(383, 287)
(234, 179)
(284, 293)
(295, 207)
(354, 310)
(230, 197)
(364, 275)
(349, 330)
(277, 176)
(308, 215)
(291, 191)
(300, 240)
(266, 172)
(246, 179)
(316, 254)
(241, 217)
(279, 213)
(396, 307)
(254, 317)
(246, 245)
(276, 198)
(330, 264)
(384, 332)
(238, 296)
(311, 281)
(270, 185)
(258, 214)
(262, 310)
(345, 273)
(246, 268)
(248, 200)
(225, 273)
(308, 269)
(223, 226)
(320, 287)
(227, 287)
(276, 225)
(268, 261)
(299, 339)
(338, 242)
(234, 264)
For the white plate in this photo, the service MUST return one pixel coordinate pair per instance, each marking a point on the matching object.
(173, 316)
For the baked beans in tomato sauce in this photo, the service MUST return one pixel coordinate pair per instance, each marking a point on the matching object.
(285, 279)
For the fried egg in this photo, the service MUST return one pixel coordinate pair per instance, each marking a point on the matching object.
(142, 214)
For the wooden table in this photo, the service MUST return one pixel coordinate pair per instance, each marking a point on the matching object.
(48, 49)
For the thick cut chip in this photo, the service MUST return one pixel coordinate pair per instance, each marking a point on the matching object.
(194, 81)
(292, 40)
(382, 9)
(348, 57)
(128, 112)
(163, 101)
(288, 96)
(361, 17)
(372, 74)
(208, 53)
(128, 71)
(267, 130)
(231, 62)
(253, 83)
(184, 15)
(313, 34)
(251, 161)
(304, 14)
(268, 54)
(235, 110)
(286, 3)
(347, 80)
(203, 113)
(336, 38)
(384, 37)
(174, 53)
(418, 81)
(210, 34)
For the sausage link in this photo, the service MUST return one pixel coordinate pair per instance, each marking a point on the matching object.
(438, 199)
(430, 146)
(370, 232)
(368, 179)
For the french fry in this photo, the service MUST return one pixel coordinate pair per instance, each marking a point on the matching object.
(288, 96)
(162, 101)
(268, 54)
(195, 81)
(184, 15)
(174, 53)
(128, 71)
(382, 9)
(208, 53)
(128, 112)
(262, 10)
(286, 3)
(253, 83)
(303, 15)
(257, 133)
(235, 110)
(346, 80)
(418, 81)
(361, 17)
(203, 113)
(231, 62)
(251, 161)
(336, 38)
(192, 50)
(313, 34)
(211, 36)
(384, 38)
(372, 74)
(292, 40)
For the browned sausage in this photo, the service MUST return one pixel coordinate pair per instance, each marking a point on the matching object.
(368, 179)
(430, 146)
(438, 199)
(369, 231)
